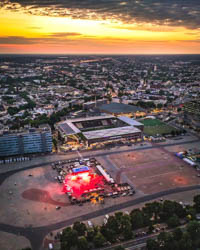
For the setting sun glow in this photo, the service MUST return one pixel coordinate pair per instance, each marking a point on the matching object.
(37, 31)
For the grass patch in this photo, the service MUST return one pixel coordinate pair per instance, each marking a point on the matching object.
(155, 126)
(152, 122)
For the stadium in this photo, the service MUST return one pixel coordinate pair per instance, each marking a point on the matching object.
(100, 129)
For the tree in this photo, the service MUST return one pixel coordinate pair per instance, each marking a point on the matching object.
(179, 210)
(179, 109)
(82, 243)
(119, 248)
(191, 213)
(68, 238)
(55, 143)
(173, 221)
(159, 105)
(90, 234)
(99, 240)
(152, 244)
(168, 209)
(165, 239)
(80, 228)
(177, 234)
(185, 243)
(153, 209)
(151, 228)
(118, 217)
(193, 228)
(161, 92)
(13, 110)
(196, 201)
(114, 224)
(108, 233)
(137, 219)
(127, 231)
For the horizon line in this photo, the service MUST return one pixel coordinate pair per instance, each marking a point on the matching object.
(156, 54)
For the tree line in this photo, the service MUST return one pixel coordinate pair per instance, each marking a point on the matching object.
(121, 227)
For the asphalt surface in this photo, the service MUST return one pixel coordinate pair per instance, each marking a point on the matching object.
(36, 234)
(107, 152)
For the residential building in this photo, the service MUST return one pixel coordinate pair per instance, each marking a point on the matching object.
(33, 140)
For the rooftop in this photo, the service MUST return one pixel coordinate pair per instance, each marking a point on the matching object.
(118, 108)
(23, 131)
(68, 128)
(130, 121)
(110, 132)
(91, 118)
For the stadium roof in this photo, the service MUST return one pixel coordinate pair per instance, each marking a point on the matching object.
(118, 108)
(130, 121)
(91, 118)
(68, 128)
(104, 133)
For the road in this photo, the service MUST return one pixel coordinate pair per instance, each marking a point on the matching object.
(133, 244)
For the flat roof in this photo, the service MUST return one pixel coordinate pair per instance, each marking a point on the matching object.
(115, 107)
(130, 121)
(103, 133)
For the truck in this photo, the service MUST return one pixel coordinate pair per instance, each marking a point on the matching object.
(191, 163)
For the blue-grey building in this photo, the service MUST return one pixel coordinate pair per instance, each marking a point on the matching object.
(34, 140)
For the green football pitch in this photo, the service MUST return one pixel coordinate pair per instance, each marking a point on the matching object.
(155, 126)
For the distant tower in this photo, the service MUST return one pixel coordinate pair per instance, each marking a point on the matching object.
(145, 82)
(103, 69)
(155, 68)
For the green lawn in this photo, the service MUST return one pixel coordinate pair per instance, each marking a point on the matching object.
(152, 122)
(155, 126)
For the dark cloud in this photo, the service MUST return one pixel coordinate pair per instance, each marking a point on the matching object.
(17, 40)
(166, 12)
(34, 40)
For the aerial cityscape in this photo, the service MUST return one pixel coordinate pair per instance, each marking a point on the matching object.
(99, 125)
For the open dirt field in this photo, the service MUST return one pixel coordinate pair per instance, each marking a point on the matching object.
(155, 170)
(31, 200)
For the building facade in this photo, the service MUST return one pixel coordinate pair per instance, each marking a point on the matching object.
(27, 142)
(192, 114)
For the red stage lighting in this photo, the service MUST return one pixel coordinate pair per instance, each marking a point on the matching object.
(80, 183)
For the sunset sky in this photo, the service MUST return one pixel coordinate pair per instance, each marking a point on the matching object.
(100, 26)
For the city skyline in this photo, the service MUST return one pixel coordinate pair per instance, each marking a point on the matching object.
(99, 27)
